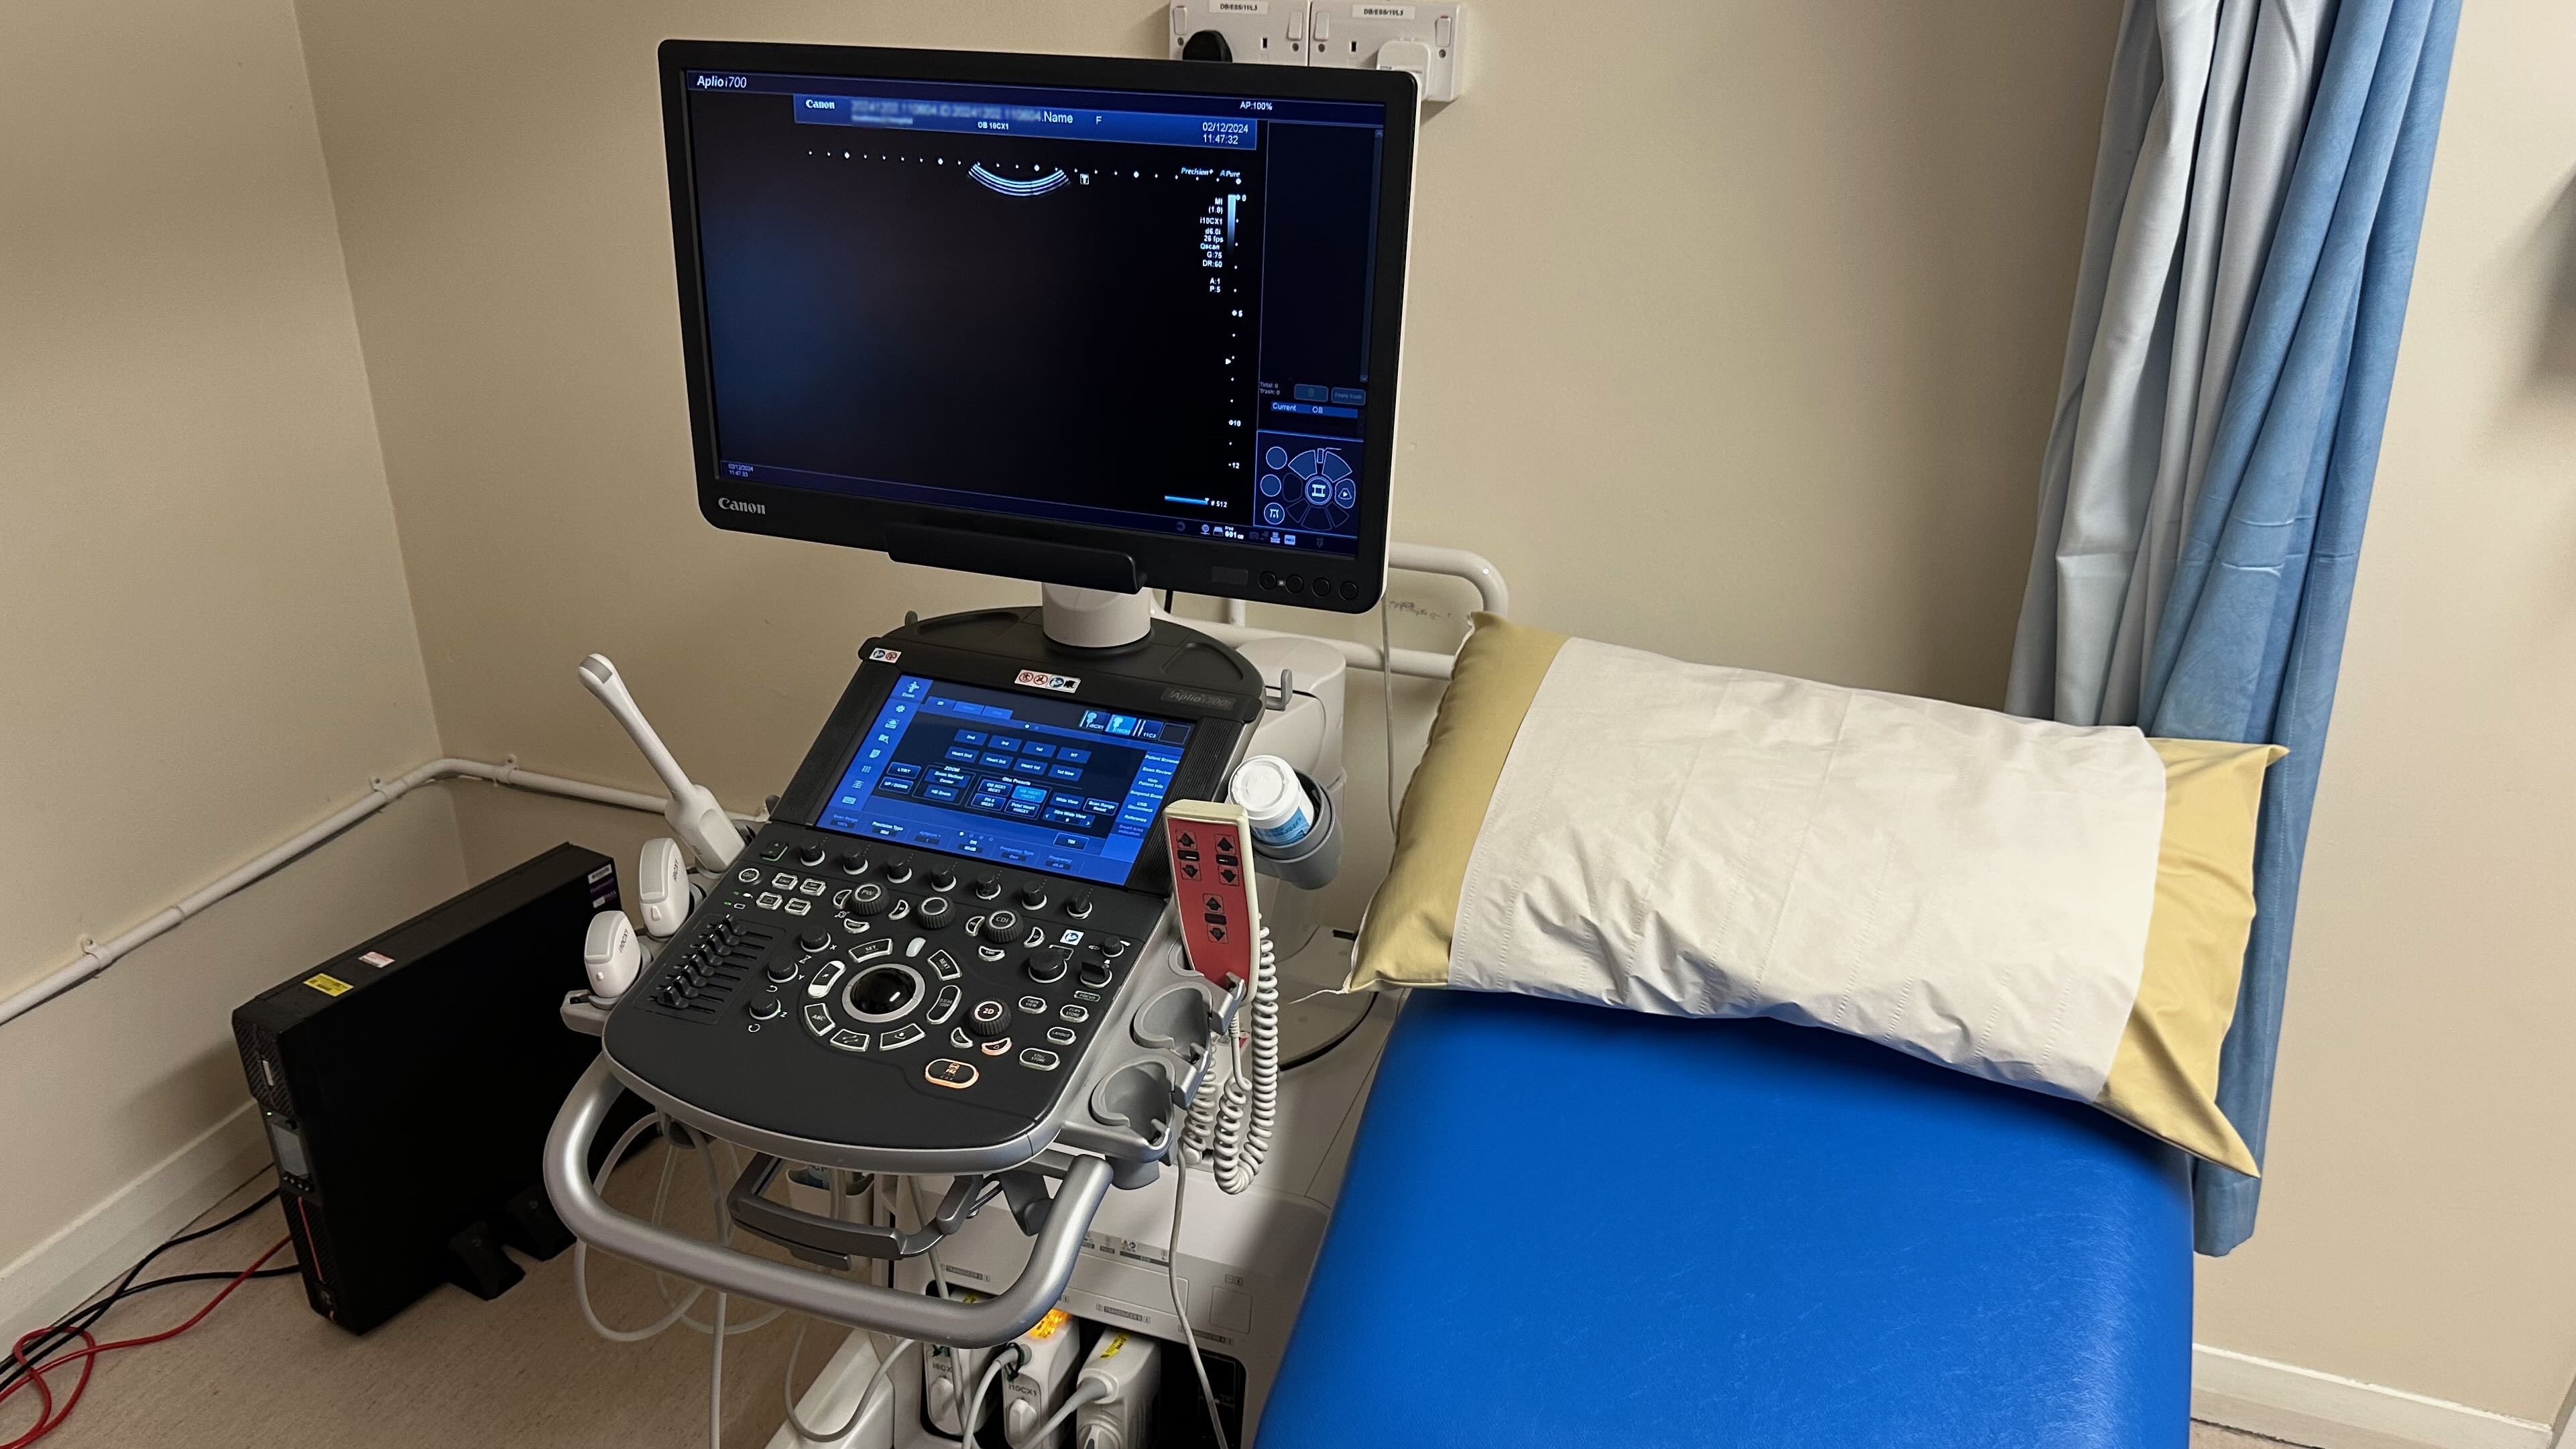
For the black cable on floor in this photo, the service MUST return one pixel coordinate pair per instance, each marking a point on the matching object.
(64, 1330)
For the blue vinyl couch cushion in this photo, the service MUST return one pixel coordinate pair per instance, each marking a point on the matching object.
(1566, 1225)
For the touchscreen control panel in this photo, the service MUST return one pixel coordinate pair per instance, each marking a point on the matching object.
(1053, 784)
(927, 960)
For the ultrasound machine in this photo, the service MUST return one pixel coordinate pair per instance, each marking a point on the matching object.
(993, 962)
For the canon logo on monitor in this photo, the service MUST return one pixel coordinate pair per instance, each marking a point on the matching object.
(736, 505)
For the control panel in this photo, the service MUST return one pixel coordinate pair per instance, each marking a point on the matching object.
(912, 968)
(840, 990)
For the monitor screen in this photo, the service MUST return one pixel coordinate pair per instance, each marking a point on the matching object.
(1159, 315)
(1053, 785)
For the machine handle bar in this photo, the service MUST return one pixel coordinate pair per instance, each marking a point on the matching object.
(995, 1320)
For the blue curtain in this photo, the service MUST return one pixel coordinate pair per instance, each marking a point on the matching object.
(2251, 636)
(2256, 203)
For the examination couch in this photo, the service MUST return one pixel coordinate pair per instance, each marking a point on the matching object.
(1566, 1225)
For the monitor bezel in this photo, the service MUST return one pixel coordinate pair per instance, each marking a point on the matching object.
(1048, 550)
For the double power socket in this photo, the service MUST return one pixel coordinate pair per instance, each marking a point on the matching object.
(1427, 40)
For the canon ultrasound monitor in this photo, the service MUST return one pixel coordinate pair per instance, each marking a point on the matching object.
(1110, 325)
(1113, 324)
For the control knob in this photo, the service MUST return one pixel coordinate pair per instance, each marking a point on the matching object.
(898, 871)
(868, 898)
(986, 887)
(1000, 927)
(1078, 905)
(989, 1020)
(943, 879)
(1033, 896)
(780, 971)
(812, 941)
(853, 863)
(767, 1008)
(1095, 974)
(812, 856)
(1049, 964)
(932, 912)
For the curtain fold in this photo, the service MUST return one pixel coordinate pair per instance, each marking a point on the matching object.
(2252, 636)
(2206, 106)
(2218, 428)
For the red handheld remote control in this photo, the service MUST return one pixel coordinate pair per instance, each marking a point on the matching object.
(1212, 887)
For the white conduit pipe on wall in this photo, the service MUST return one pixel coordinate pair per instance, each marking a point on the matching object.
(97, 956)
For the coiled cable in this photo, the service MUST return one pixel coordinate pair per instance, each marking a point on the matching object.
(1231, 1122)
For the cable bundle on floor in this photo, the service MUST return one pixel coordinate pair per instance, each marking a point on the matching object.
(43, 1350)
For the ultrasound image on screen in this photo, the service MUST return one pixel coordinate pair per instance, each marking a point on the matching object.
(1043, 324)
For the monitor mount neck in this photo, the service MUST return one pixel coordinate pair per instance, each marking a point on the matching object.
(1097, 618)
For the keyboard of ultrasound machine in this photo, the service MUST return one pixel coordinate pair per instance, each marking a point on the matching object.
(966, 976)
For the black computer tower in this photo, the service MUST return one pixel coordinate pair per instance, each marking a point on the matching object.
(407, 1085)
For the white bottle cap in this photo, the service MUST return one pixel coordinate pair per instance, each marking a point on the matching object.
(1273, 800)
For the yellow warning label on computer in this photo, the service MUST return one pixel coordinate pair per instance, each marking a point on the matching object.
(326, 983)
(1051, 1325)
(1116, 1342)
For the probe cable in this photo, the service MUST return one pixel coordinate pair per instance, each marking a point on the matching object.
(885, 1365)
(1189, 1335)
(48, 1418)
(1088, 1391)
(1386, 699)
(1011, 1357)
(867, 1396)
(679, 1311)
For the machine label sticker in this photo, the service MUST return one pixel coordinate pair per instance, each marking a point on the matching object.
(1040, 679)
(1051, 1325)
(1111, 1349)
(1127, 1250)
(327, 984)
(884, 656)
(377, 959)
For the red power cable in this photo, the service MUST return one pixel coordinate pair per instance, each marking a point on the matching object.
(47, 1420)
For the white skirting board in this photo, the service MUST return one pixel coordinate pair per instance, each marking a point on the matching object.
(2232, 1389)
(52, 1277)
(2303, 1406)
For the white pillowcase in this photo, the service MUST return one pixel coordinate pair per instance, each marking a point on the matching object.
(1692, 840)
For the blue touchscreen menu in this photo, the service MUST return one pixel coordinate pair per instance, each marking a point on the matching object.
(1054, 785)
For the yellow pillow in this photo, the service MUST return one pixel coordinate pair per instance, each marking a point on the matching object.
(2164, 1077)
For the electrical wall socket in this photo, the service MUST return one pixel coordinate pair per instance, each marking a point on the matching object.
(1428, 40)
(1262, 32)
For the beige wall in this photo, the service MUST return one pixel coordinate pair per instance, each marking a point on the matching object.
(2417, 1229)
(1780, 296)
(208, 643)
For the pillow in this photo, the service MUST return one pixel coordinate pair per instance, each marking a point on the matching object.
(2055, 907)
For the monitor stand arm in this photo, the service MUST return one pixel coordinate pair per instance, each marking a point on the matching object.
(1096, 618)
